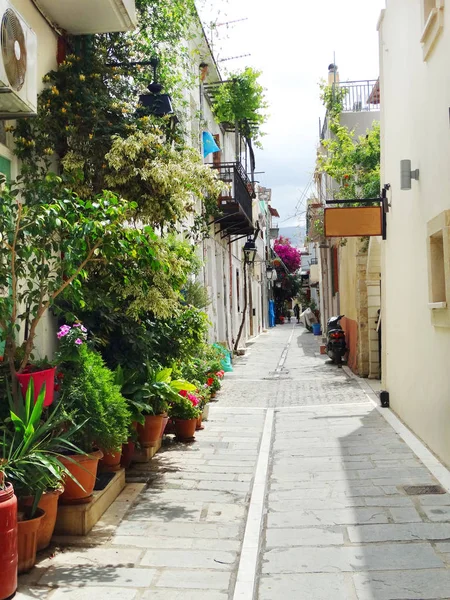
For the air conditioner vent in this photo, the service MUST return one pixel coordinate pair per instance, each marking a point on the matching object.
(14, 49)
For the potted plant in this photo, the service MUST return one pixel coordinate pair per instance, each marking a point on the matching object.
(184, 414)
(158, 390)
(29, 449)
(93, 401)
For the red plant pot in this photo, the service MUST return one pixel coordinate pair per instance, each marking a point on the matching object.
(39, 378)
(8, 545)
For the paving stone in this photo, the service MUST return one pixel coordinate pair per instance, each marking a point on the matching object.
(88, 593)
(171, 594)
(319, 586)
(195, 530)
(225, 513)
(355, 558)
(154, 511)
(399, 532)
(194, 579)
(435, 500)
(318, 536)
(85, 576)
(423, 584)
(437, 513)
(189, 559)
(161, 541)
(405, 515)
(26, 592)
(326, 517)
(94, 557)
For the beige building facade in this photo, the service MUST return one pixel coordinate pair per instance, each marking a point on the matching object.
(415, 315)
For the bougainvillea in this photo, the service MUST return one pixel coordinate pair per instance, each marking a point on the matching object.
(290, 255)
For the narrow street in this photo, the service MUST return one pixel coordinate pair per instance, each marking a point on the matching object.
(296, 488)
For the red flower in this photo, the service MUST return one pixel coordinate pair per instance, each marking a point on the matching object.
(60, 376)
(56, 388)
(210, 381)
(183, 393)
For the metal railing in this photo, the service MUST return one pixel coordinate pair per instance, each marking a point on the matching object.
(360, 95)
(240, 187)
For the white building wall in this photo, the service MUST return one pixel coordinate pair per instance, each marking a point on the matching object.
(415, 125)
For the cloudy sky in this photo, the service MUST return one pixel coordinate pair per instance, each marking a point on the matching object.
(293, 42)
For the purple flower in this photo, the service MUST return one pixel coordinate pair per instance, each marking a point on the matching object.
(78, 341)
(83, 329)
(77, 324)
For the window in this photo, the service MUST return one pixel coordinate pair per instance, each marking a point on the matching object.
(437, 288)
(438, 246)
(433, 23)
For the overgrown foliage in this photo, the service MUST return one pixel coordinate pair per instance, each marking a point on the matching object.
(240, 100)
(352, 162)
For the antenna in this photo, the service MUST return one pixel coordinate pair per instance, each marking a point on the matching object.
(233, 57)
(213, 25)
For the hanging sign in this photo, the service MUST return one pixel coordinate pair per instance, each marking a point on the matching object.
(353, 221)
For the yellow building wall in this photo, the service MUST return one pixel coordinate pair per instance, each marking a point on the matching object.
(348, 278)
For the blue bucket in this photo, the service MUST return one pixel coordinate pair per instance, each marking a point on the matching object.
(316, 328)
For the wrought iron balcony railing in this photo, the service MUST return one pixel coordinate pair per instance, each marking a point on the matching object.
(240, 191)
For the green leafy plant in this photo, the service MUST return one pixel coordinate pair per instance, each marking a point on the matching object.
(46, 247)
(184, 409)
(240, 100)
(30, 445)
(91, 395)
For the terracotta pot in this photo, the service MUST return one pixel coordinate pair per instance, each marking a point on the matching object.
(164, 425)
(127, 454)
(84, 468)
(27, 541)
(8, 542)
(49, 504)
(110, 461)
(39, 378)
(170, 427)
(185, 429)
(213, 394)
(199, 425)
(150, 433)
(205, 413)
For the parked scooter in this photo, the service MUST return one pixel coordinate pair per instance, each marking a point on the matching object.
(336, 346)
(308, 318)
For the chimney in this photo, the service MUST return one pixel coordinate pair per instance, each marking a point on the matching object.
(333, 74)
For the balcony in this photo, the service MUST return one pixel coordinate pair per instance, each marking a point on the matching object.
(87, 16)
(360, 95)
(236, 203)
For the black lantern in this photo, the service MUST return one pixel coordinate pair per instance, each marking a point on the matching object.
(250, 250)
(155, 103)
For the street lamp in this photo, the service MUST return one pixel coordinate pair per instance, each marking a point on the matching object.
(156, 103)
(271, 273)
(250, 250)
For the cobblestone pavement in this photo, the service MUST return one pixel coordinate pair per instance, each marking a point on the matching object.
(295, 490)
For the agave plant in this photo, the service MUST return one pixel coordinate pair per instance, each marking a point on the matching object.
(30, 446)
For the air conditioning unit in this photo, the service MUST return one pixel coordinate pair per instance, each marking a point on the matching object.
(18, 65)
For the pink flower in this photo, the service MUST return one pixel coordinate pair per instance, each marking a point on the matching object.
(78, 341)
(194, 400)
(77, 324)
(83, 329)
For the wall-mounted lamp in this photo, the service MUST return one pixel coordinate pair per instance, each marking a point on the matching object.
(156, 103)
(271, 273)
(406, 174)
(250, 250)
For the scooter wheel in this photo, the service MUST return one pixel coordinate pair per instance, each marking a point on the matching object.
(338, 359)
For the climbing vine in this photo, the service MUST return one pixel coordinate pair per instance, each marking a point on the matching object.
(352, 162)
